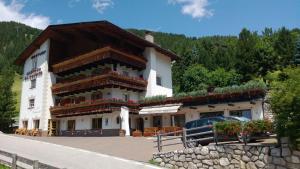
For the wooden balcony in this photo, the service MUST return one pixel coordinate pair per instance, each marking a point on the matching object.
(108, 80)
(106, 54)
(93, 107)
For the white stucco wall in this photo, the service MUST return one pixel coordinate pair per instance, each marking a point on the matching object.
(194, 114)
(85, 122)
(42, 93)
(157, 65)
(118, 93)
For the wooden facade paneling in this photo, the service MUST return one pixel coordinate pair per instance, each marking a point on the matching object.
(92, 107)
(98, 55)
(109, 79)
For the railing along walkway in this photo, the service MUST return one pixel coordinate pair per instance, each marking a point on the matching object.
(19, 162)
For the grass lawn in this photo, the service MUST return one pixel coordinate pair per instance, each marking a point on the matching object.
(3, 167)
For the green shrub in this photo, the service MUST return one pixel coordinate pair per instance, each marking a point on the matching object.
(258, 126)
(285, 102)
(235, 127)
(242, 88)
(153, 99)
(193, 94)
(228, 127)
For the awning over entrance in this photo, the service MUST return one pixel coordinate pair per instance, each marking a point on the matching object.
(161, 109)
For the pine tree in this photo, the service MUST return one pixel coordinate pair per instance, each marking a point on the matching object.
(297, 53)
(7, 102)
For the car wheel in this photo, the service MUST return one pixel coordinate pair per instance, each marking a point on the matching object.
(191, 143)
(241, 139)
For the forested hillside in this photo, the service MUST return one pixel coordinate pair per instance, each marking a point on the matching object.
(14, 37)
(215, 61)
(227, 60)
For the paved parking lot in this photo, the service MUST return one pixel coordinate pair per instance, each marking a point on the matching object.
(65, 156)
(132, 148)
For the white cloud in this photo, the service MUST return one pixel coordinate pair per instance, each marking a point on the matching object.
(101, 5)
(13, 12)
(72, 3)
(196, 8)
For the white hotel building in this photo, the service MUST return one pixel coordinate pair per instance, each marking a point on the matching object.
(86, 79)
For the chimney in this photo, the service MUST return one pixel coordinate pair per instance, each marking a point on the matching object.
(149, 37)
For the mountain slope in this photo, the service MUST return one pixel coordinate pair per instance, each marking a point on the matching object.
(14, 38)
(249, 51)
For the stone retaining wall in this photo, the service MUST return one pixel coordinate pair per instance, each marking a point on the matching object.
(231, 157)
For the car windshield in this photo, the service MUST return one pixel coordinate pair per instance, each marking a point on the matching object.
(235, 118)
(216, 119)
(244, 119)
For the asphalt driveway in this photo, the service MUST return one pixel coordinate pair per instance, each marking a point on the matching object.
(67, 157)
(132, 148)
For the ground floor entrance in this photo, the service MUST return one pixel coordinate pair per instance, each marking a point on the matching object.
(119, 123)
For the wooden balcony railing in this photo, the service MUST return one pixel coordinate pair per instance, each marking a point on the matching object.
(109, 79)
(93, 107)
(99, 55)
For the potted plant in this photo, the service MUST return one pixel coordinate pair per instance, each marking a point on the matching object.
(122, 132)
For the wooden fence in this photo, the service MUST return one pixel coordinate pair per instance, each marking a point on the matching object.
(184, 136)
(15, 161)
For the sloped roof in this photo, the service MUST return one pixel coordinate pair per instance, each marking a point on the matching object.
(98, 26)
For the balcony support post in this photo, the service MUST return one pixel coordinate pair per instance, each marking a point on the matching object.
(124, 114)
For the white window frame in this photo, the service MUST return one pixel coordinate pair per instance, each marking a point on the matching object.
(31, 84)
(31, 104)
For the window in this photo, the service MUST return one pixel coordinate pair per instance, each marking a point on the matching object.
(211, 114)
(158, 80)
(126, 97)
(97, 123)
(118, 120)
(31, 103)
(114, 67)
(178, 120)
(241, 113)
(57, 102)
(125, 73)
(157, 121)
(202, 122)
(71, 125)
(97, 96)
(25, 124)
(34, 62)
(36, 124)
(72, 100)
(106, 121)
(33, 84)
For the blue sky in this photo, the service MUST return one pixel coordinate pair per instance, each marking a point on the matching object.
(189, 17)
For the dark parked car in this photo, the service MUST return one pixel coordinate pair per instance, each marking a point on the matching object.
(207, 124)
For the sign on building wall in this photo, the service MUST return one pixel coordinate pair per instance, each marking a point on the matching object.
(35, 71)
